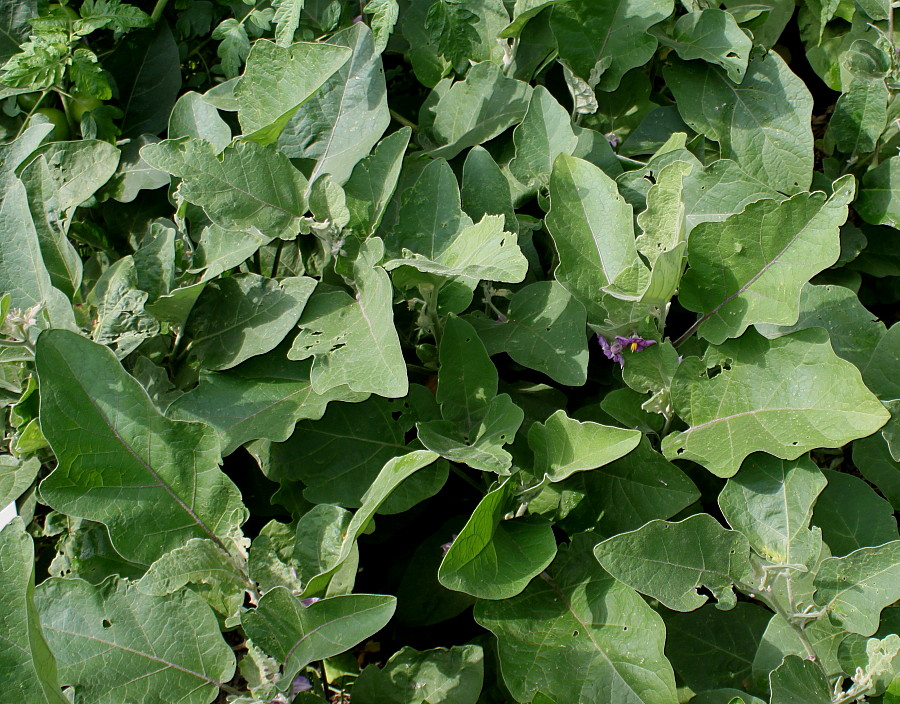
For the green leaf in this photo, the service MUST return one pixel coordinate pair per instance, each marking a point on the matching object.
(146, 66)
(234, 45)
(592, 228)
(854, 331)
(296, 635)
(544, 133)
(750, 267)
(625, 494)
(113, 14)
(852, 515)
(784, 396)
(198, 562)
(27, 665)
(122, 320)
(353, 340)
(880, 372)
(14, 20)
(287, 20)
(771, 502)
(710, 648)
(782, 640)
(544, 329)
(600, 42)
(467, 379)
(873, 458)
(242, 316)
(430, 214)
(723, 188)
(262, 398)
(105, 651)
(480, 251)
(192, 116)
(448, 675)
(877, 203)
(474, 110)
(563, 446)
(763, 123)
(392, 475)
(152, 481)
(486, 190)
(799, 681)
(39, 63)
(246, 187)
(134, 174)
(480, 444)
(384, 18)
(452, 27)
(338, 456)
(16, 476)
(855, 588)
(373, 180)
(711, 35)
(861, 113)
(671, 561)
(494, 557)
(343, 120)
(576, 634)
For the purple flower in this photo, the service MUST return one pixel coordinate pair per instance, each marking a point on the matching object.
(613, 350)
(613, 139)
(310, 600)
(301, 684)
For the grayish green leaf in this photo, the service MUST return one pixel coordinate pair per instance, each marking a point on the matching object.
(563, 446)
(27, 665)
(723, 188)
(599, 42)
(671, 561)
(474, 110)
(784, 396)
(278, 80)
(246, 187)
(877, 203)
(771, 502)
(353, 339)
(592, 228)
(344, 119)
(198, 562)
(544, 329)
(855, 588)
(480, 251)
(544, 133)
(193, 116)
(854, 331)
(16, 476)
(104, 649)
(448, 675)
(262, 398)
(714, 36)
(763, 123)
(373, 180)
(798, 681)
(750, 267)
(122, 321)
(152, 481)
(495, 557)
(242, 316)
(296, 635)
(576, 634)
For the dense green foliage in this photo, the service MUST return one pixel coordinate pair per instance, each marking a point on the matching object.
(449, 352)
